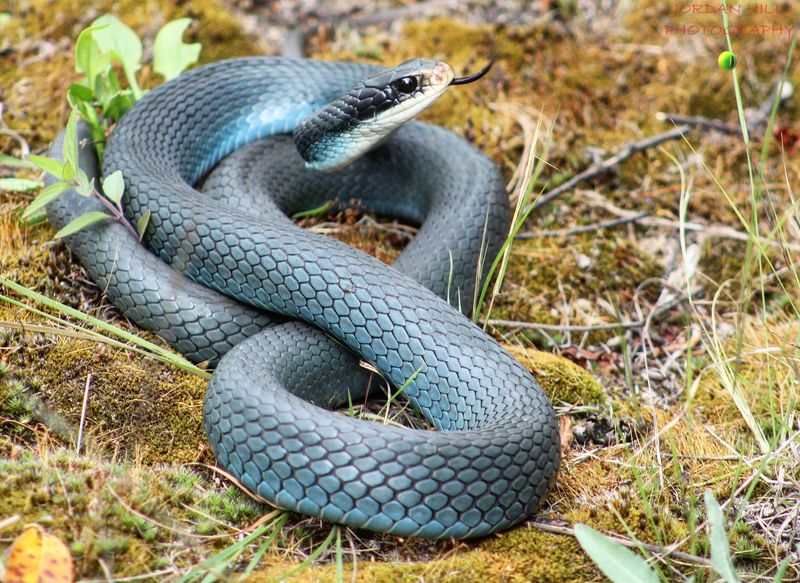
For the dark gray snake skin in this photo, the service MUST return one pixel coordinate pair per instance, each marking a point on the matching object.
(497, 451)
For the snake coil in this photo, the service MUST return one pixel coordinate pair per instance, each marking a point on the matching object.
(290, 313)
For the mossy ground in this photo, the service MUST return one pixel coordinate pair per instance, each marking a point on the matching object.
(129, 504)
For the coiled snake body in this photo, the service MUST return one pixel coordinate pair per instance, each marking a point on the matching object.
(310, 307)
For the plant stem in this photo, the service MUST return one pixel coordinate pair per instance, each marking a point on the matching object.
(116, 212)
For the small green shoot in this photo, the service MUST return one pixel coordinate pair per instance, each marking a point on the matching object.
(100, 97)
(71, 176)
(320, 210)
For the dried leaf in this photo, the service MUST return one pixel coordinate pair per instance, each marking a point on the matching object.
(38, 557)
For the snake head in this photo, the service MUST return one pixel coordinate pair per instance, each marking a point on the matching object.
(365, 116)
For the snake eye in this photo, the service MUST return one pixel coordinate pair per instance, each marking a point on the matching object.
(405, 84)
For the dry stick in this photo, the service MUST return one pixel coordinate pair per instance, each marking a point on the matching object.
(755, 119)
(665, 551)
(623, 220)
(700, 122)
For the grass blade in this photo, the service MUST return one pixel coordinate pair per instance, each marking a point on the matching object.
(311, 558)
(153, 350)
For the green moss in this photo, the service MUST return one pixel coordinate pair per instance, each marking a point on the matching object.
(115, 512)
(562, 380)
(524, 554)
(144, 408)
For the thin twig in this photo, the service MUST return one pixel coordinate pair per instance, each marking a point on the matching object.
(564, 328)
(645, 220)
(756, 119)
(699, 122)
(665, 551)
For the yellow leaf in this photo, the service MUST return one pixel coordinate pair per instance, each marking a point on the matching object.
(38, 557)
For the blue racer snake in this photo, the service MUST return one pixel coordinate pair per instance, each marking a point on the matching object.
(288, 314)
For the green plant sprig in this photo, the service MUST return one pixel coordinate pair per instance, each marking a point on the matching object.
(71, 176)
(100, 100)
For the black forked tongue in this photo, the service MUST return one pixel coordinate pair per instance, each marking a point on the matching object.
(471, 78)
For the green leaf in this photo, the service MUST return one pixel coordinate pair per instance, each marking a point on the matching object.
(118, 39)
(119, 105)
(12, 162)
(142, 223)
(172, 56)
(718, 539)
(82, 222)
(78, 92)
(45, 197)
(107, 87)
(89, 57)
(19, 184)
(51, 166)
(615, 561)
(114, 186)
(70, 148)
